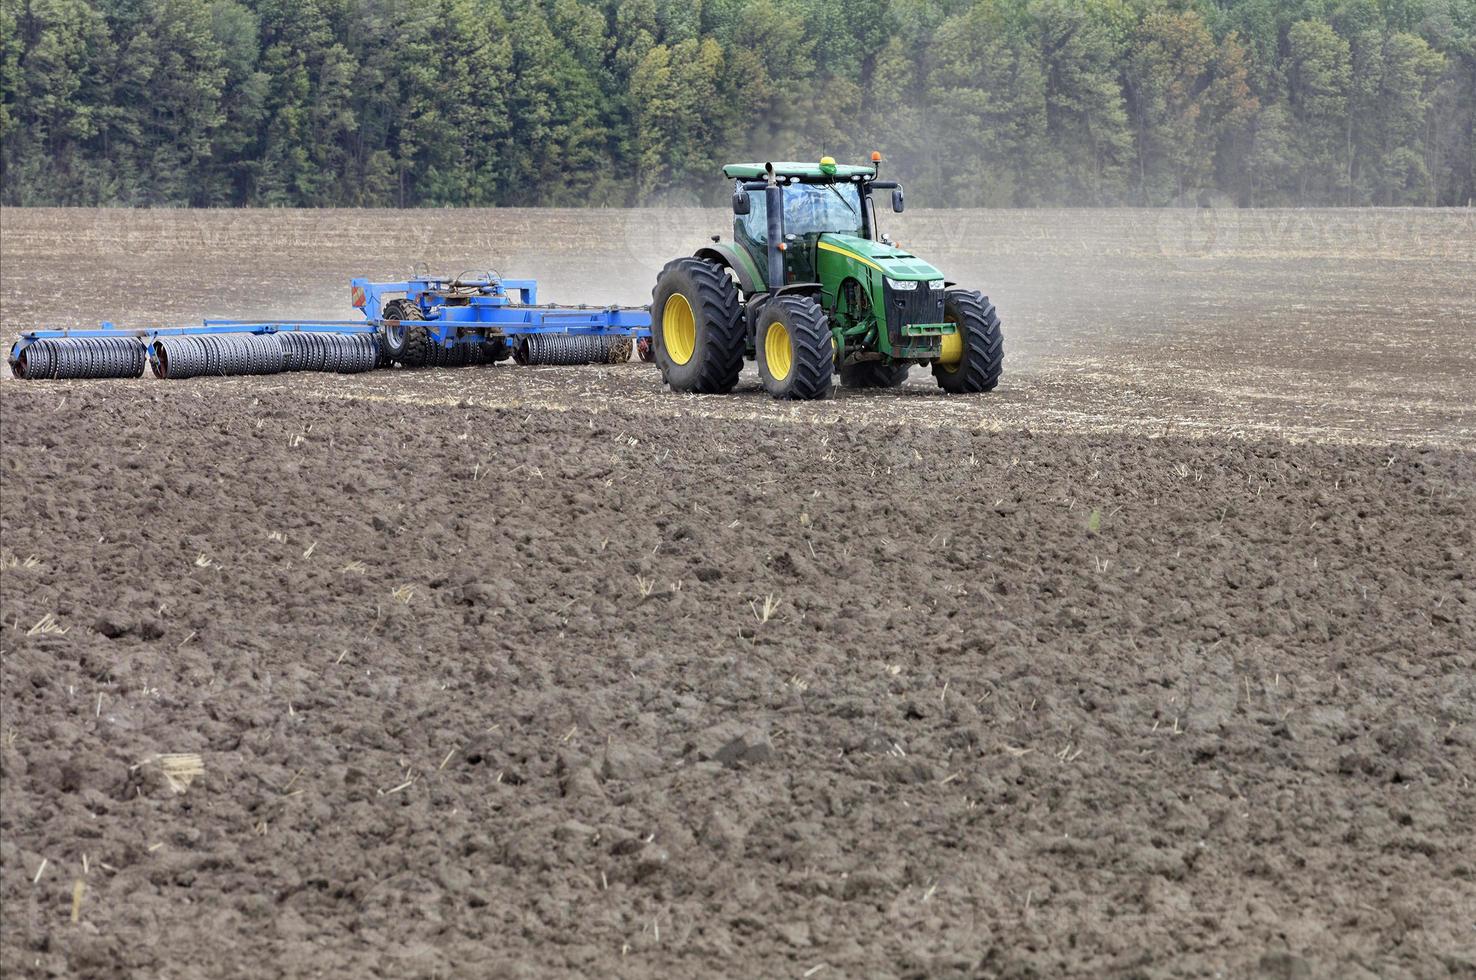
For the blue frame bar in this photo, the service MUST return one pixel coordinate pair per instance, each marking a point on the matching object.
(457, 309)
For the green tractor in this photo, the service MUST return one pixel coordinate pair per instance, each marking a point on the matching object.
(808, 287)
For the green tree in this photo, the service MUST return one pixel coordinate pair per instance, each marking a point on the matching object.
(1231, 110)
(1167, 76)
(990, 88)
(1270, 160)
(1453, 116)
(243, 94)
(674, 94)
(309, 118)
(554, 103)
(451, 107)
(57, 104)
(10, 70)
(180, 110)
(1318, 79)
(1090, 142)
(498, 102)
(1402, 108)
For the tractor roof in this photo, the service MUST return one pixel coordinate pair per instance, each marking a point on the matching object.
(804, 171)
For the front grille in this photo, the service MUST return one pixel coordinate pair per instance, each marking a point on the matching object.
(910, 306)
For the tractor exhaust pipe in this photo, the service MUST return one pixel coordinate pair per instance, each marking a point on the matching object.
(774, 205)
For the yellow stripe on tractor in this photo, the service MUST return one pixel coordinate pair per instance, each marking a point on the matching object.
(851, 255)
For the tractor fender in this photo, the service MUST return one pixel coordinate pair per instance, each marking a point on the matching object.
(756, 305)
(730, 256)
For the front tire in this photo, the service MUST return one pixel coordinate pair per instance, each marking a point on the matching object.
(796, 354)
(973, 356)
(696, 327)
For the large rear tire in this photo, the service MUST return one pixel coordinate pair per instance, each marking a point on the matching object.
(873, 374)
(406, 343)
(973, 356)
(796, 354)
(697, 327)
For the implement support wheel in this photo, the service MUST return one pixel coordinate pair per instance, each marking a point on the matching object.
(406, 343)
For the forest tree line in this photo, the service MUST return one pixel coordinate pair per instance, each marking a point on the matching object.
(317, 103)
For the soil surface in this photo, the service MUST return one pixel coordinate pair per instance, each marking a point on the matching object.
(1158, 662)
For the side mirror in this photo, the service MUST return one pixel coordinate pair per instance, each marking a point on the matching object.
(740, 203)
(897, 203)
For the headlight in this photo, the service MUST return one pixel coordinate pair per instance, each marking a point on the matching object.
(936, 284)
(902, 284)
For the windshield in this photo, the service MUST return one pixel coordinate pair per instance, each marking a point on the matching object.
(808, 208)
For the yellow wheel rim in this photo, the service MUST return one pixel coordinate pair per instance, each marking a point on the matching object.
(777, 351)
(678, 329)
(953, 347)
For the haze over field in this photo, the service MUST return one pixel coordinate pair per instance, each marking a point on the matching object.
(1346, 322)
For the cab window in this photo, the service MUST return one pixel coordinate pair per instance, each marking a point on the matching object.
(755, 223)
(808, 208)
(811, 208)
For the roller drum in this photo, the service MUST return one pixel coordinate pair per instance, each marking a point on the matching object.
(571, 349)
(364, 353)
(293, 350)
(36, 362)
(80, 357)
(176, 358)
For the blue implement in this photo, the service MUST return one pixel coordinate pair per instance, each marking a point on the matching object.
(467, 311)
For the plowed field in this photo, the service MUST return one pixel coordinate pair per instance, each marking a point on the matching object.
(1159, 661)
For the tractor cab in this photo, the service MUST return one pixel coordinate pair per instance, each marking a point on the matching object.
(819, 199)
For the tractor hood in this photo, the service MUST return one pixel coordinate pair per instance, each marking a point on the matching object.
(891, 261)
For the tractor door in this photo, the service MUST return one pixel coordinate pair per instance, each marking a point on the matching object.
(751, 231)
(810, 210)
